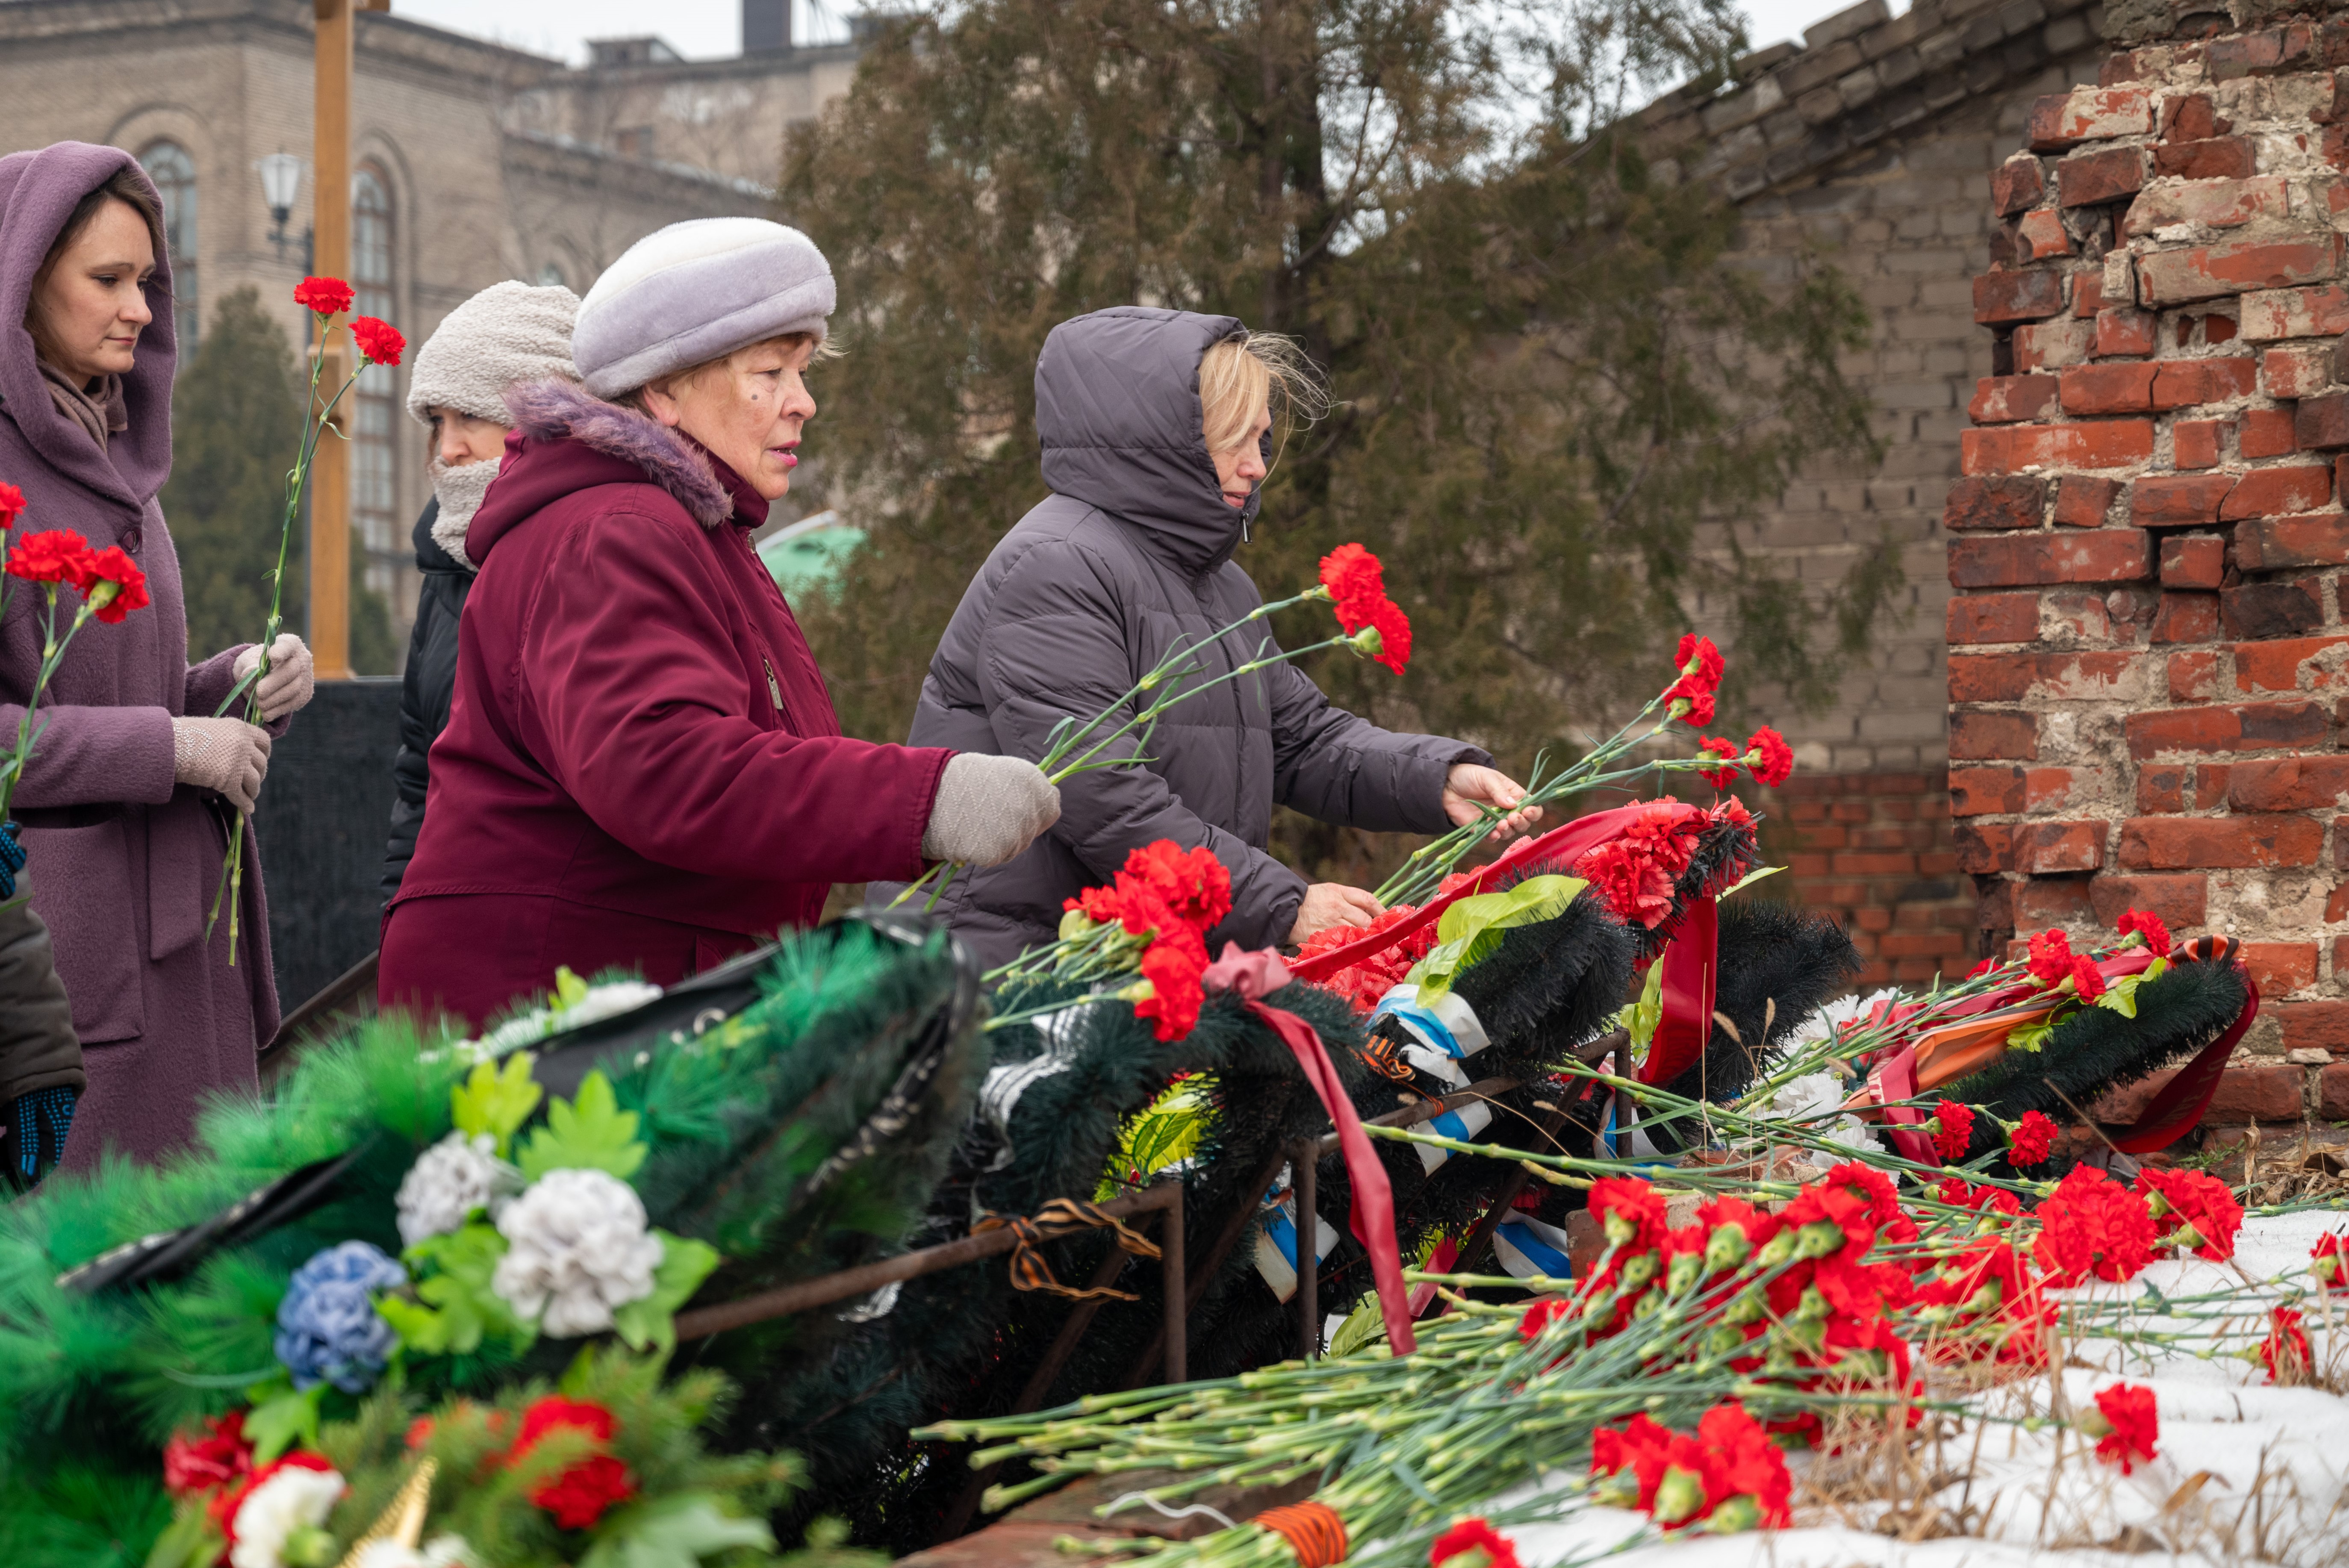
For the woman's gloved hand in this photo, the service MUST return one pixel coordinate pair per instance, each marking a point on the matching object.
(988, 810)
(291, 680)
(223, 754)
(33, 1129)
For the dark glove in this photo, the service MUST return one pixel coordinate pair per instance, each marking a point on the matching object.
(33, 1129)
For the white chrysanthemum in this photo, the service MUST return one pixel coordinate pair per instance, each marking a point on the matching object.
(449, 1181)
(294, 1499)
(577, 1249)
(440, 1551)
(1824, 1023)
(1812, 1096)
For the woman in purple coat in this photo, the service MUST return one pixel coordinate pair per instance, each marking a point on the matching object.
(126, 802)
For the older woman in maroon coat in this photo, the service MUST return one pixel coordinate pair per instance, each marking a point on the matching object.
(641, 767)
(126, 802)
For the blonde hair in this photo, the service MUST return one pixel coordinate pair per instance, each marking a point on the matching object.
(677, 381)
(1238, 379)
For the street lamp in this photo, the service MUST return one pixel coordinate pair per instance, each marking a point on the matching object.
(280, 187)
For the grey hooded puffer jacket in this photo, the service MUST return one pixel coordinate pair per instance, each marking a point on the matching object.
(1088, 593)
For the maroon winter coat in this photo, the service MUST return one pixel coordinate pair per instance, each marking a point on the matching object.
(641, 767)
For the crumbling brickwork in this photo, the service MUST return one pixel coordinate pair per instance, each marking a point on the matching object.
(2148, 657)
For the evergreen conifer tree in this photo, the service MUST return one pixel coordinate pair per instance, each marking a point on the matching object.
(1559, 391)
(236, 426)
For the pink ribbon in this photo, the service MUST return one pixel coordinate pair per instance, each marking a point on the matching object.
(1252, 976)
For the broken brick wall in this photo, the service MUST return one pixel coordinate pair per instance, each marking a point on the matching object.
(2149, 634)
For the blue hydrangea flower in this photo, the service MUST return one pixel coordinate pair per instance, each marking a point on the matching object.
(327, 1327)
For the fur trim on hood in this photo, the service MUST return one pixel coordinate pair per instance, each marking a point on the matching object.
(559, 410)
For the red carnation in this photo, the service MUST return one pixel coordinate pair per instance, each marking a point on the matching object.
(1956, 1130)
(2128, 1410)
(1777, 758)
(2157, 934)
(1356, 583)
(57, 555)
(2286, 1354)
(1365, 983)
(1393, 629)
(1539, 1316)
(1175, 992)
(2086, 978)
(379, 340)
(2093, 1224)
(578, 1497)
(114, 586)
(221, 1458)
(2194, 1209)
(1982, 968)
(1473, 1535)
(1630, 1211)
(323, 296)
(1699, 661)
(1193, 882)
(2051, 958)
(2032, 1139)
(12, 506)
(1719, 777)
(2328, 1260)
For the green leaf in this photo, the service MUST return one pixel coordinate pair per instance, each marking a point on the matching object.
(675, 1531)
(190, 1541)
(589, 1133)
(1640, 1019)
(1469, 930)
(683, 1265)
(569, 989)
(1364, 1327)
(496, 1102)
(273, 1424)
(461, 1266)
(421, 1330)
(1755, 875)
(2029, 1037)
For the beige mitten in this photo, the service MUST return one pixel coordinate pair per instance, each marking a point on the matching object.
(989, 809)
(223, 754)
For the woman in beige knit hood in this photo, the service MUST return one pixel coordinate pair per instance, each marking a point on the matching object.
(507, 333)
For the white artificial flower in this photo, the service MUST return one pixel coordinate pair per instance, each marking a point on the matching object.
(1829, 1020)
(1812, 1096)
(577, 1249)
(608, 1002)
(449, 1180)
(440, 1551)
(294, 1499)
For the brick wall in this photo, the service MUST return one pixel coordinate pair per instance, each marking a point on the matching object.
(2149, 655)
(1874, 850)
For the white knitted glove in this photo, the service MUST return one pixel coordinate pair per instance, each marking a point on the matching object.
(223, 754)
(291, 679)
(988, 810)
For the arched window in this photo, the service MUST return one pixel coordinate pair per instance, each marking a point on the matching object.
(374, 493)
(174, 173)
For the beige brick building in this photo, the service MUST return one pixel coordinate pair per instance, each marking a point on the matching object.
(1871, 145)
(474, 163)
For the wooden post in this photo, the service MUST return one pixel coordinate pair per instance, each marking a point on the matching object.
(330, 473)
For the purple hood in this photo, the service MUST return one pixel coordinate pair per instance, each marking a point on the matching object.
(38, 191)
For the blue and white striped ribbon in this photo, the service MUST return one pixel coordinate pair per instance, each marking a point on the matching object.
(1445, 1032)
(1463, 1124)
(1526, 1247)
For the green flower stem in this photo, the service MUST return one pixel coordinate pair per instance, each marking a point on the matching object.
(232, 882)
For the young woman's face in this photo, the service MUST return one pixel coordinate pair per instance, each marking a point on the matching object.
(747, 411)
(461, 440)
(91, 307)
(1241, 469)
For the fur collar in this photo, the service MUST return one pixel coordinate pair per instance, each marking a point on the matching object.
(557, 410)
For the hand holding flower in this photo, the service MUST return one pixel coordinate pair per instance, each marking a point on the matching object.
(1469, 786)
(1327, 905)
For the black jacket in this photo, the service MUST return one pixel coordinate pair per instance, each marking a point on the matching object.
(1086, 594)
(426, 692)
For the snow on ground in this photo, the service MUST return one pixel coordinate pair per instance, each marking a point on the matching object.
(2246, 1473)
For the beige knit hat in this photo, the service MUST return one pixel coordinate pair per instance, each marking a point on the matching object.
(509, 332)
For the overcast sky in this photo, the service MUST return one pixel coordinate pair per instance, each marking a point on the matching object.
(701, 29)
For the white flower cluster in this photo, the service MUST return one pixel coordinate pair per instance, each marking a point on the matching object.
(449, 1181)
(576, 1248)
(601, 1002)
(295, 1498)
(1816, 1095)
(1825, 1024)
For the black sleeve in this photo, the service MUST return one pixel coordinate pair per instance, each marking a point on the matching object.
(38, 1049)
(420, 719)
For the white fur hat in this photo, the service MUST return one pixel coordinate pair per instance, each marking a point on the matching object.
(695, 292)
(509, 332)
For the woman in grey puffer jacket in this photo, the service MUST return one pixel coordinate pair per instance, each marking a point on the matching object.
(1090, 590)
